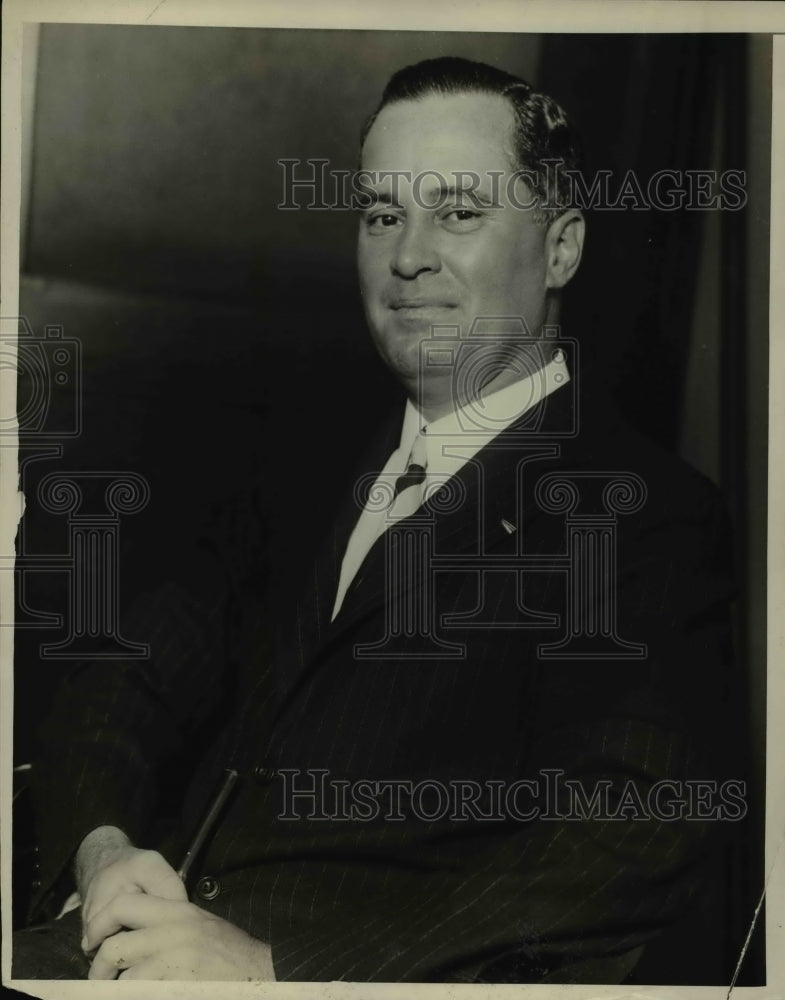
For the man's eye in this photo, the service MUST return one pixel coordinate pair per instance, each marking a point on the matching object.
(383, 220)
(462, 219)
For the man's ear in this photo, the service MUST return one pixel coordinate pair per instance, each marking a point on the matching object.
(563, 247)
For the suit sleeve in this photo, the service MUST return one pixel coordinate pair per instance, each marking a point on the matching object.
(123, 735)
(117, 725)
(562, 899)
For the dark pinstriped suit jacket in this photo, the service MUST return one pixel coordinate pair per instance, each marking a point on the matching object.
(509, 900)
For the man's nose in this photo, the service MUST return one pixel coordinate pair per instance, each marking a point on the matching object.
(415, 250)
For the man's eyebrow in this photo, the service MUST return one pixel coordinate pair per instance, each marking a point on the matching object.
(476, 194)
(436, 198)
(372, 198)
(381, 197)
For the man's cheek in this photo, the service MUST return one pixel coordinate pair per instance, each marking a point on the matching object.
(372, 276)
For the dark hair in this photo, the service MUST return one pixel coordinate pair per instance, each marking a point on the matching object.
(543, 130)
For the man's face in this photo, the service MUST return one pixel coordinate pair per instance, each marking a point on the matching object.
(466, 258)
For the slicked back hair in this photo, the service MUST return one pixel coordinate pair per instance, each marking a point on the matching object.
(542, 131)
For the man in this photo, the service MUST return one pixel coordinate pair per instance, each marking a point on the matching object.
(523, 605)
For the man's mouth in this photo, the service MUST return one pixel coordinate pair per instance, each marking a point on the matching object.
(404, 304)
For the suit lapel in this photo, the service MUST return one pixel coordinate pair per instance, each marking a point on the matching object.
(468, 514)
(496, 489)
(315, 606)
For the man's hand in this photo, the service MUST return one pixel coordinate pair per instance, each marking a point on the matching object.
(108, 865)
(170, 939)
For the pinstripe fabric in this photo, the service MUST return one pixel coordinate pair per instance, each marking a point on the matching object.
(543, 900)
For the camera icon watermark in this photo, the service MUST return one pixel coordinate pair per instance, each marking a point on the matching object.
(49, 381)
(501, 350)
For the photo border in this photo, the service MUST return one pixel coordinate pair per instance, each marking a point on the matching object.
(20, 18)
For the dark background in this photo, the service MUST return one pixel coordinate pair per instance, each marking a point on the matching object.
(223, 342)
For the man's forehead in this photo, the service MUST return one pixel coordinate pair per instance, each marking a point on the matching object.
(467, 131)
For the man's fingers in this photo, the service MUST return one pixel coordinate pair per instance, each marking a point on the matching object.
(134, 872)
(132, 950)
(187, 944)
(133, 911)
(153, 873)
(117, 953)
(150, 968)
(103, 894)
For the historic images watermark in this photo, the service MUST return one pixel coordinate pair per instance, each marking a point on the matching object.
(591, 504)
(312, 794)
(314, 185)
(48, 369)
(49, 413)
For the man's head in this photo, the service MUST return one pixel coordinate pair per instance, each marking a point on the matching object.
(458, 231)
(541, 132)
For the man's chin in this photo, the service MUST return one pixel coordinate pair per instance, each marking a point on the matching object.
(412, 344)
(402, 352)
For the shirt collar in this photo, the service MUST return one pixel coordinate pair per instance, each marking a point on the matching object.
(456, 437)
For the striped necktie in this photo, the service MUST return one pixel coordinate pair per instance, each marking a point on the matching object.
(409, 486)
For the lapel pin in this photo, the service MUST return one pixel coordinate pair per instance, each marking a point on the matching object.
(509, 528)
